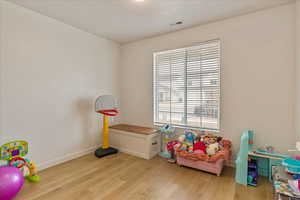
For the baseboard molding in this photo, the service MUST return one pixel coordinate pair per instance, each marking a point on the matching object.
(230, 163)
(72, 156)
(65, 158)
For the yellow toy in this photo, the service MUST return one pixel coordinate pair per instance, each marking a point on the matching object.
(13, 152)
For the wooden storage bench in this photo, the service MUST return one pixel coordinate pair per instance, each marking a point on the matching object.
(135, 140)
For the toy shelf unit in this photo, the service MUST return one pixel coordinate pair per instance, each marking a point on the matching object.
(246, 158)
(135, 140)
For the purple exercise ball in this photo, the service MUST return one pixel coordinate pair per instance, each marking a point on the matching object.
(11, 182)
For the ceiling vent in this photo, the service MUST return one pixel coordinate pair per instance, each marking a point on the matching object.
(176, 23)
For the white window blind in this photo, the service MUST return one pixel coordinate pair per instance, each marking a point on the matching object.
(186, 86)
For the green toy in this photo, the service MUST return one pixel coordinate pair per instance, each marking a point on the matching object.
(14, 153)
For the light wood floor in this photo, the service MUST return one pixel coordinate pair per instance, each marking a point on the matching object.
(124, 177)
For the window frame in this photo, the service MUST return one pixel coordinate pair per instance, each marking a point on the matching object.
(154, 95)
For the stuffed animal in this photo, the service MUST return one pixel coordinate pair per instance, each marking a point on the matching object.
(183, 147)
(206, 139)
(212, 139)
(200, 146)
(198, 138)
(186, 146)
(219, 138)
(171, 145)
(212, 149)
(189, 136)
(181, 138)
(177, 146)
(190, 147)
(171, 148)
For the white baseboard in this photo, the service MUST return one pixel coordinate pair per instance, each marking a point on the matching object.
(65, 158)
(230, 163)
(72, 156)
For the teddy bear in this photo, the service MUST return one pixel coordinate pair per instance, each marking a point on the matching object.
(207, 139)
(212, 149)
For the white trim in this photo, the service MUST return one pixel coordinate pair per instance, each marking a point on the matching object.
(72, 156)
(63, 159)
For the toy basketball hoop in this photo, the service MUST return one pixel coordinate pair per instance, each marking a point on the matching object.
(106, 105)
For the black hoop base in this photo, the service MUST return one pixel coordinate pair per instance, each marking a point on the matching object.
(105, 152)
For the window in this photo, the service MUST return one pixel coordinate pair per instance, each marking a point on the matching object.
(186, 86)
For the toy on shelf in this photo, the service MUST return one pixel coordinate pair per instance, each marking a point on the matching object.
(13, 153)
(292, 165)
(287, 177)
(252, 172)
(167, 132)
(295, 186)
(11, 182)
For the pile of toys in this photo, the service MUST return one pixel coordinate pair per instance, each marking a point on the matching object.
(195, 145)
(286, 179)
(205, 143)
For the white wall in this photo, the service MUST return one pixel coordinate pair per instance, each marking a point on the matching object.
(257, 78)
(50, 75)
(297, 74)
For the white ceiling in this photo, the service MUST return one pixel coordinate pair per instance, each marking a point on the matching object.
(127, 20)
